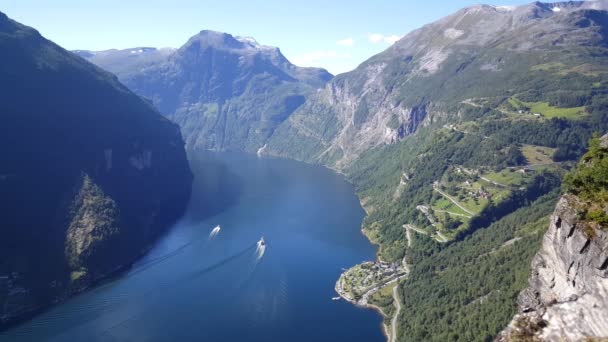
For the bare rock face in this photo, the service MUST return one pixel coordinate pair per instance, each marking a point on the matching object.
(95, 219)
(425, 77)
(567, 297)
(361, 121)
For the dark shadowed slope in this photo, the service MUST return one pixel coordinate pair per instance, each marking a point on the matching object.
(90, 174)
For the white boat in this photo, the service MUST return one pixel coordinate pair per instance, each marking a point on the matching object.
(261, 248)
(215, 231)
(336, 298)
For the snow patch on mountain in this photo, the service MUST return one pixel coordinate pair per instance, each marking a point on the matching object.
(506, 8)
(250, 42)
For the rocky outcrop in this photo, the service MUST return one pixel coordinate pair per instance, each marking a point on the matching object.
(567, 297)
(95, 220)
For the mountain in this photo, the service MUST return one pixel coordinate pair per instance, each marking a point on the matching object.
(459, 94)
(479, 53)
(226, 93)
(90, 174)
(566, 297)
(456, 139)
(124, 62)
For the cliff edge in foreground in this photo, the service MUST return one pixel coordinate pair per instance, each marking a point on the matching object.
(567, 297)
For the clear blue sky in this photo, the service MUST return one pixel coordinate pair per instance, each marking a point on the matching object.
(337, 35)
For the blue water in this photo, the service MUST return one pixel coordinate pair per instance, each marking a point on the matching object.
(194, 288)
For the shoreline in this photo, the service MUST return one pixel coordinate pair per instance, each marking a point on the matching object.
(364, 302)
(372, 307)
(366, 305)
(89, 285)
(366, 211)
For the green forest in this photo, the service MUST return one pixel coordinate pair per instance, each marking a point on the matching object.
(589, 181)
(466, 288)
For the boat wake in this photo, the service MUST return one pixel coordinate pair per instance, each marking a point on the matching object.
(174, 283)
(217, 265)
(111, 306)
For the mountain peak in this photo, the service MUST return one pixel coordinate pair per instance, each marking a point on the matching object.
(209, 38)
(226, 41)
(5, 22)
(483, 24)
(211, 34)
(538, 7)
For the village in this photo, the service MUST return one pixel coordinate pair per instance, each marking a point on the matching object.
(358, 283)
(463, 193)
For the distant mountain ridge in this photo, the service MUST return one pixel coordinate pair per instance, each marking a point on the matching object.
(123, 61)
(226, 92)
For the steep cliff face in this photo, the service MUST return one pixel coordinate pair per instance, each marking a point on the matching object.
(568, 294)
(90, 174)
(225, 92)
(343, 120)
(567, 297)
(479, 53)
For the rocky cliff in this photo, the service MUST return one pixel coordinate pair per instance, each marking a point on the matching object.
(567, 297)
(478, 53)
(90, 174)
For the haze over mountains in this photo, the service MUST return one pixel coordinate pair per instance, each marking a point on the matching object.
(456, 139)
(227, 93)
(380, 102)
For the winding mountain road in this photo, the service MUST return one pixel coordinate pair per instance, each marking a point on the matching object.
(407, 235)
(394, 320)
(454, 201)
(451, 213)
(441, 237)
